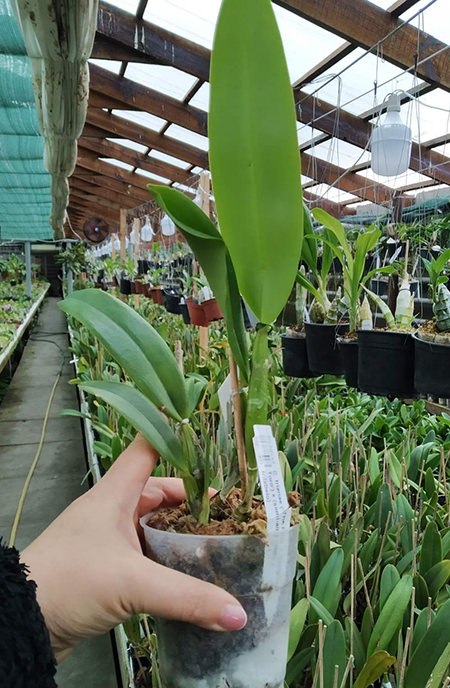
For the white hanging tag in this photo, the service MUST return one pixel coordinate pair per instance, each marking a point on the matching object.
(396, 255)
(224, 392)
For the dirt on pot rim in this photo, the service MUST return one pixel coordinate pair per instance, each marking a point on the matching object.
(429, 333)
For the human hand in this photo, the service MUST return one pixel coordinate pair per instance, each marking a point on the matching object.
(89, 566)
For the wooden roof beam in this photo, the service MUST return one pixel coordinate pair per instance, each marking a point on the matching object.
(364, 24)
(97, 191)
(95, 179)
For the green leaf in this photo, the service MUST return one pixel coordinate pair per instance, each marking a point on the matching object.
(437, 577)
(431, 552)
(143, 416)
(391, 616)
(421, 627)
(134, 344)
(296, 624)
(440, 669)
(76, 414)
(254, 157)
(374, 668)
(320, 611)
(132, 628)
(429, 650)
(334, 654)
(212, 254)
(298, 663)
(328, 582)
(422, 592)
(389, 579)
(336, 227)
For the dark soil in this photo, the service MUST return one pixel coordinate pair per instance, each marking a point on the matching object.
(222, 520)
(350, 335)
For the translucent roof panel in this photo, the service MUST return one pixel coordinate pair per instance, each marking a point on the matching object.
(353, 90)
(201, 98)
(117, 163)
(331, 193)
(339, 153)
(126, 143)
(187, 136)
(425, 120)
(434, 20)
(169, 158)
(127, 5)
(156, 177)
(409, 177)
(110, 65)
(169, 80)
(144, 118)
(196, 21)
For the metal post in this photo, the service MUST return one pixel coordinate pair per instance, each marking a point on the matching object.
(28, 267)
(69, 281)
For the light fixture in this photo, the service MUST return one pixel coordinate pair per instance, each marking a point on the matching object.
(133, 236)
(147, 231)
(391, 142)
(167, 226)
(117, 244)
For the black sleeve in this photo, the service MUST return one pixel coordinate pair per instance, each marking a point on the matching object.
(26, 657)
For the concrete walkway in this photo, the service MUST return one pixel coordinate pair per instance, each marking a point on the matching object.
(60, 471)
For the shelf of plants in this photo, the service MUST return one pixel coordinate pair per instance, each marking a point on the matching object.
(16, 315)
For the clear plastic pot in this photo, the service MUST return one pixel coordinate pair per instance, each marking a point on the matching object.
(260, 576)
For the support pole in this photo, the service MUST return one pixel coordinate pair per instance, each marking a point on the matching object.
(122, 235)
(28, 267)
(137, 246)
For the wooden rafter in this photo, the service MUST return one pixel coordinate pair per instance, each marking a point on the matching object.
(99, 180)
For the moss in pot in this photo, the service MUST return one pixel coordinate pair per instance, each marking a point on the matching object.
(243, 169)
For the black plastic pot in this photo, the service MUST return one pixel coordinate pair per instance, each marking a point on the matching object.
(349, 351)
(295, 356)
(185, 313)
(379, 286)
(143, 266)
(101, 275)
(125, 286)
(323, 353)
(431, 368)
(171, 302)
(386, 363)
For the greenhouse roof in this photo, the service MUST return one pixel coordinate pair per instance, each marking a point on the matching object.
(25, 201)
(149, 92)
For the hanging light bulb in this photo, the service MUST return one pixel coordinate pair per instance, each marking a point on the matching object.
(167, 226)
(133, 236)
(147, 231)
(391, 142)
(117, 244)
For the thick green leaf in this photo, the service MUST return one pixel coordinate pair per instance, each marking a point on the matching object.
(309, 246)
(334, 655)
(437, 577)
(298, 663)
(422, 592)
(421, 627)
(143, 416)
(254, 156)
(429, 650)
(336, 227)
(134, 344)
(374, 668)
(328, 582)
(320, 611)
(296, 624)
(431, 552)
(440, 669)
(389, 579)
(212, 254)
(390, 616)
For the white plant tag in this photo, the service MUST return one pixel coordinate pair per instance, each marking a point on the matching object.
(224, 392)
(396, 255)
(366, 325)
(278, 515)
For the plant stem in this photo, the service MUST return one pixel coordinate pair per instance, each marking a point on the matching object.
(238, 423)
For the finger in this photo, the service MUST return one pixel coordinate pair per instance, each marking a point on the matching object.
(164, 493)
(128, 476)
(163, 592)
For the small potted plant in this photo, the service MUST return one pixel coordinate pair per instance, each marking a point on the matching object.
(386, 356)
(353, 265)
(223, 540)
(293, 342)
(432, 340)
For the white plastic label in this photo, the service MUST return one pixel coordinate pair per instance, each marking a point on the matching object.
(366, 325)
(225, 391)
(272, 483)
(396, 255)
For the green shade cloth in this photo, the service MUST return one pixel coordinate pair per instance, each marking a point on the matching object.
(25, 199)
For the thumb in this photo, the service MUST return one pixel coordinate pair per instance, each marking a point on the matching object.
(160, 591)
(128, 476)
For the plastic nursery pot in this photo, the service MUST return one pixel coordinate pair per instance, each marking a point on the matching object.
(379, 286)
(138, 287)
(185, 313)
(431, 368)
(260, 576)
(295, 356)
(146, 290)
(157, 295)
(349, 351)
(143, 266)
(125, 287)
(171, 302)
(323, 353)
(386, 363)
(115, 282)
(133, 287)
(196, 313)
(212, 310)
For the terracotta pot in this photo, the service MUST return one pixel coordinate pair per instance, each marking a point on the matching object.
(133, 287)
(138, 287)
(146, 290)
(212, 310)
(157, 295)
(197, 313)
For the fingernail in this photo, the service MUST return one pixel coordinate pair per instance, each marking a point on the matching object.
(233, 618)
